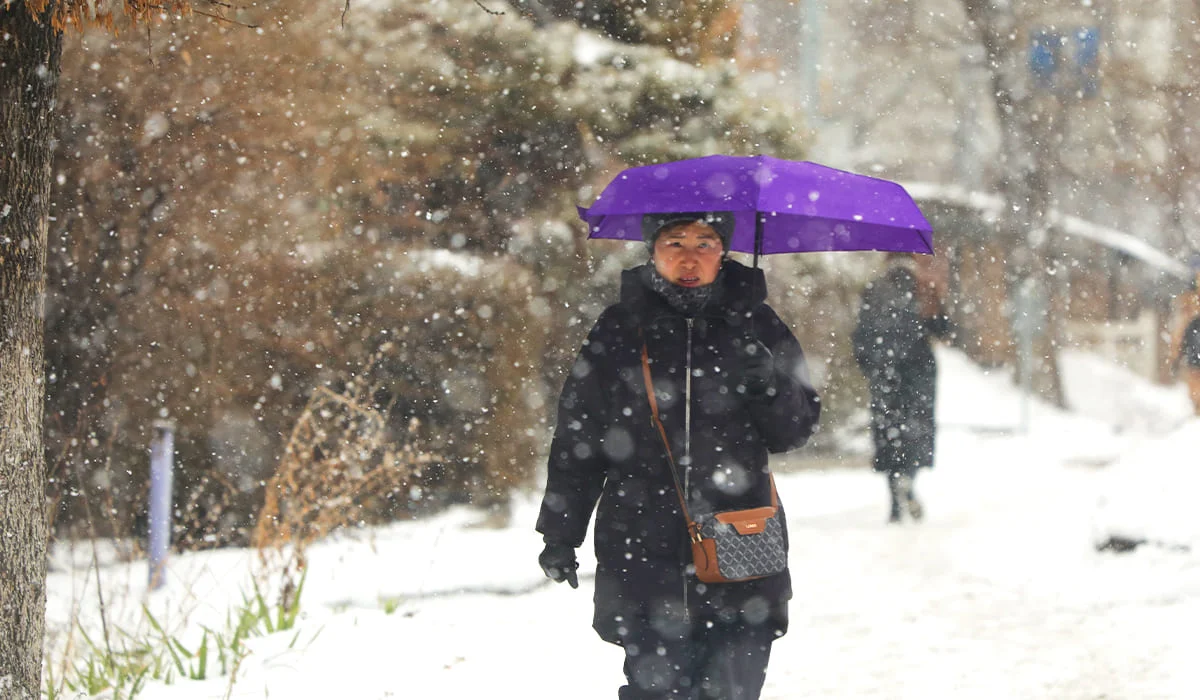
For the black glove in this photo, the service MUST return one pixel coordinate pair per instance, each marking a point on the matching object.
(558, 561)
(758, 369)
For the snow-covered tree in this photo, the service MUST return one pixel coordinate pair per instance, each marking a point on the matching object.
(297, 195)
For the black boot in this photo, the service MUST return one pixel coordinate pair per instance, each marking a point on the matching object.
(894, 488)
(915, 509)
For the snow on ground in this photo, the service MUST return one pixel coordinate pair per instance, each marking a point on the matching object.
(1000, 593)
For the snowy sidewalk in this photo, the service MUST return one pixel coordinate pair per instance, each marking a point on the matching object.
(1000, 593)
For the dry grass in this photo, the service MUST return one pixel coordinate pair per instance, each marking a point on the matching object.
(340, 464)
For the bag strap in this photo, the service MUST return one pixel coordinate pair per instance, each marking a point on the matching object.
(693, 527)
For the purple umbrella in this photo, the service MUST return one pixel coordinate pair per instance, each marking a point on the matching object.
(779, 206)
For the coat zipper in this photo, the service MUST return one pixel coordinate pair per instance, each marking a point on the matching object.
(687, 451)
(687, 416)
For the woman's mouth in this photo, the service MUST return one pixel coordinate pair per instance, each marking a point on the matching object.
(689, 281)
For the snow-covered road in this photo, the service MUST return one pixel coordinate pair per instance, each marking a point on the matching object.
(1000, 592)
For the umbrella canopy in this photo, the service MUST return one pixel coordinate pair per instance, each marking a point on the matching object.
(779, 206)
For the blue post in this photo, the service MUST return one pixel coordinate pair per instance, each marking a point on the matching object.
(1029, 317)
(161, 465)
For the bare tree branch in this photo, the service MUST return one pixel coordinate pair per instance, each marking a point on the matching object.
(490, 12)
(226, 19)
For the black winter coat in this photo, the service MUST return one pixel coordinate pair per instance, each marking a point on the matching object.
(891, 345)
(607, 451)
(1189, 346)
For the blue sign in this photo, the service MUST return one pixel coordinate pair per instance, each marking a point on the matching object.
(1087, 61)
(1044, 49)
(1066, 63)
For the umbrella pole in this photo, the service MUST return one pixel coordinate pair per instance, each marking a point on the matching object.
(758, 244)
(758, 236)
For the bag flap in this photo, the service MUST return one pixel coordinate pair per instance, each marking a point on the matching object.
(747, 522)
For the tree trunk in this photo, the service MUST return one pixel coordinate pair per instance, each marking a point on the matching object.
(29, 70)
(1023, 184)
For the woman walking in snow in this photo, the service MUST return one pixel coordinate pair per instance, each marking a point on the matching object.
(731, 385)
(899, 312)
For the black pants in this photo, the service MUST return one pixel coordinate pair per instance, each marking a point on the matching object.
(698, 661)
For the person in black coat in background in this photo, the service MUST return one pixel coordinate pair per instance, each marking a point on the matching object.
(1189, 358)
(732, 385)
(899, 312)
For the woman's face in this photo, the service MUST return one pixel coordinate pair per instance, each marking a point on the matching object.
(689, 255)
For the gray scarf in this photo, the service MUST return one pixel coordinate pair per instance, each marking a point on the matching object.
(688, 301)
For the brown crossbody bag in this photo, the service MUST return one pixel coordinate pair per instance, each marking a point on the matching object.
(731, 545)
